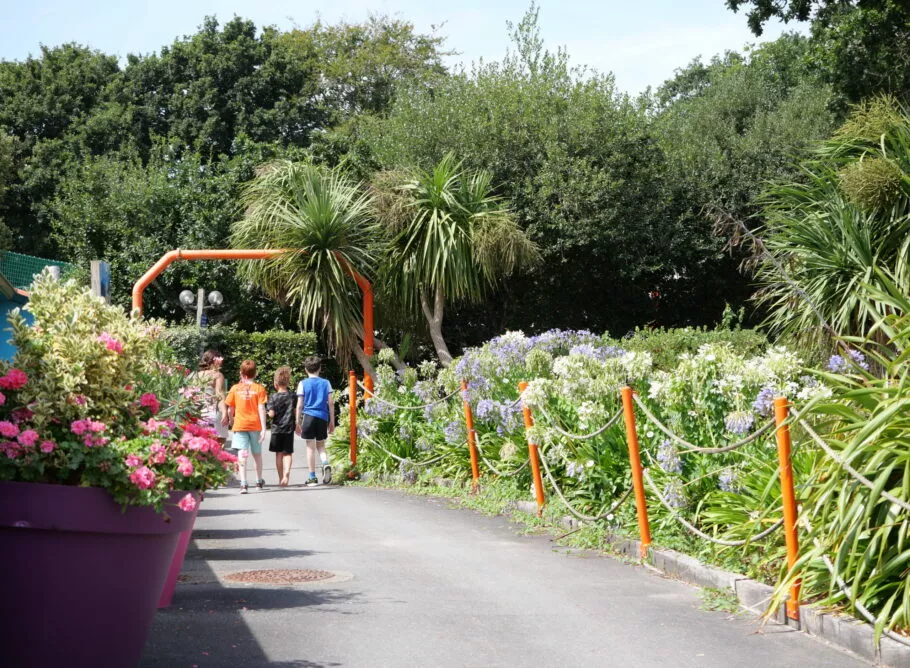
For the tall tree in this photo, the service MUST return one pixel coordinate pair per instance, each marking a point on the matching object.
(453, 240)
(326, 223)
(862, 47)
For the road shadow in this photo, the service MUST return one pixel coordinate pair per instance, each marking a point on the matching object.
(226, 534)
(245, 553)
(221, 512)
(205, 626)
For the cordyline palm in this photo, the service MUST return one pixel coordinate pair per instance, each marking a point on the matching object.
(452, 239)
(842, 230)
(325, 222)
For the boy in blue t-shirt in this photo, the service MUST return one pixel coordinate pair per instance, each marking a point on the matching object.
(318, 419)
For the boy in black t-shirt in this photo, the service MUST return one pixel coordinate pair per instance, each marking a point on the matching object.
(281, 412)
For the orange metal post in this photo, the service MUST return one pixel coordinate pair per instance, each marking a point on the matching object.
(641, 504)
(781, 412)
(532, 454)
(352, 399)
(472, 442)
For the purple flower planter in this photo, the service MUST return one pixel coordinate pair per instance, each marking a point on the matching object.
(81, 575)
(170, 583)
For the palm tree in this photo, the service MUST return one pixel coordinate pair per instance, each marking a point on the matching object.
(326, 222)
(451, 239)
(841, 232)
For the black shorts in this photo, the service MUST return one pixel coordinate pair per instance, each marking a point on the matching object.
(314, 428)
(283, 443)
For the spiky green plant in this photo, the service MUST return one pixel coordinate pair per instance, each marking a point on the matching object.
(827, 236)
(326, 224)
(452, 239)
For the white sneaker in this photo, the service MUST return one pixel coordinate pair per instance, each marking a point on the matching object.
(326, 473)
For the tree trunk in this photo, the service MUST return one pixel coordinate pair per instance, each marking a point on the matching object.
(364, 361)
(434, 320)
(396, 361)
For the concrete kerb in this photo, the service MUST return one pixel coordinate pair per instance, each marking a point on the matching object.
(840, 630)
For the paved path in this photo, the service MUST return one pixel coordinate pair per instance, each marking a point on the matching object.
(434, 586)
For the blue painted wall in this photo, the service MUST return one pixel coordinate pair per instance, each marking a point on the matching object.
(6, 305)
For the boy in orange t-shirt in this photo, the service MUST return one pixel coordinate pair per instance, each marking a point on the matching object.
(246, 407)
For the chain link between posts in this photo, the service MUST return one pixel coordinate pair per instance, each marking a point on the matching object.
(570, 508)
(701, 534)
(579, 437)
(421, 407)
(844, 465)
(694, 448)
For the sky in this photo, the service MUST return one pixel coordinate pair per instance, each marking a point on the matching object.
(640, 42)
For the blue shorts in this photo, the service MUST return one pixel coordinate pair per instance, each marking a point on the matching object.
(247, 440)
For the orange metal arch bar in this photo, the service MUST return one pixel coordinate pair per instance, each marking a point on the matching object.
(365, 286)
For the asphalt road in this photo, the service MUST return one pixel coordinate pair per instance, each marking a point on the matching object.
(419, 583)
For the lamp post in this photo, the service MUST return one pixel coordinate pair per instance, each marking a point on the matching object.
(191, 302)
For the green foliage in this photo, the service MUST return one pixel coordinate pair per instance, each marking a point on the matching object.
(74, 374)
(719, 600)
(270, 349)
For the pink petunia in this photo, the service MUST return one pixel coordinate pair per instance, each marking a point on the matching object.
(8, 429)
(110, 342)
(143, 477)
(48, 446)
(150, 401)
(133, 461)
(184, 466)
(15, 379)
(28, 437)
(187, 503)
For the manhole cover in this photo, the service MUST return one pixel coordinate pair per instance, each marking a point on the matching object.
(280, 576)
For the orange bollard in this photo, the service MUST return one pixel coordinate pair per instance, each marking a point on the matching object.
(368, 384)
(781, 412)
(352, 398)
(641, 504)
(532, 454)
(472, 442)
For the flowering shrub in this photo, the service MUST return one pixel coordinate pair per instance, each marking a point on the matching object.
(75, 410)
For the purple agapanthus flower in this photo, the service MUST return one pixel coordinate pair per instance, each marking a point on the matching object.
(739, 422)
(454, 432)
(840, 364)
(668, 457)
(764, 402)
(727, 480)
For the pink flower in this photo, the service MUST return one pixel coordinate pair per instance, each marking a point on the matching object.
(28, 437)
(198, 443)
(110, 342)
(2, 398)
(79, 427)
(159, 453)
(78, 399)
(133, 461)
(188, 503)
(8, 429)
(48, 446)
(143, 477)
(11, 449)
(96, 426)
(22, 415)
(150, 401)
(92, 441)
(14, 379)
(184, 465)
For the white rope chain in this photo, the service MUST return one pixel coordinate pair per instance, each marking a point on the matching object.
(375, 397)
(579, 437)
(701, 534)
(565, 502)
(844, 465)
(694, 448)
(403, 460)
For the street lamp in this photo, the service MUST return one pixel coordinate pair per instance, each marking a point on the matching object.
(196, 302)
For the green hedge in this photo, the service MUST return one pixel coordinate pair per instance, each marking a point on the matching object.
(269, 350)
(666, 345)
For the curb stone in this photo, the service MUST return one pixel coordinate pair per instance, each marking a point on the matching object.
(839, 630)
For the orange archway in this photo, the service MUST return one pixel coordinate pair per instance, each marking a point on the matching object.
(168, 258)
